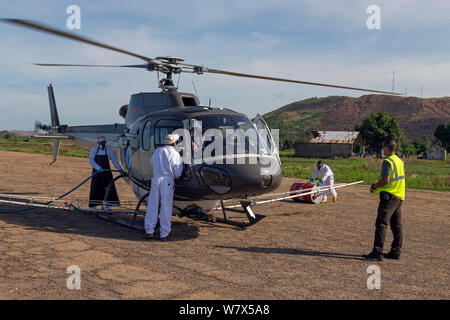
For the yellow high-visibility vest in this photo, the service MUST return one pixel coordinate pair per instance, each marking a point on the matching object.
(396, 185)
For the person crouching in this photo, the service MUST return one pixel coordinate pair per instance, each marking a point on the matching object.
(327, 179)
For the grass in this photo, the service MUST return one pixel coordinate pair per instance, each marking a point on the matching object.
(29, 145)
(420, 174)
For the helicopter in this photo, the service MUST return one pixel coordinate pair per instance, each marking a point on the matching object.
(149, 116)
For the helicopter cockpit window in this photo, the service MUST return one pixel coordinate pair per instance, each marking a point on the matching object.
(163, 128)
(264, 135)
(222, 123)
(146, 136)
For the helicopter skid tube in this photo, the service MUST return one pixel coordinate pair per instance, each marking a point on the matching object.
(131, 223)
(246, 209)
(120, 222)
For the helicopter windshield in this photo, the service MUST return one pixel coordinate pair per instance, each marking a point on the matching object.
(238, 134)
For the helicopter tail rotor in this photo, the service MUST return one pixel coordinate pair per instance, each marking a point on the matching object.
(38, 126)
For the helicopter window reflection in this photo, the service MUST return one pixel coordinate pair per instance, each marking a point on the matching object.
(163, 128)
(227, 122)
(146, 136)
(263, 129)
(223, 122)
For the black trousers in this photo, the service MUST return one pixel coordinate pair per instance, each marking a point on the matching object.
(389, 212)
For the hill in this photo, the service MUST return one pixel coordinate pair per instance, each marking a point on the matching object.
(417, 117)
(23, 133)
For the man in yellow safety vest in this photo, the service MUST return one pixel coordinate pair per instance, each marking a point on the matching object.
(391, 188)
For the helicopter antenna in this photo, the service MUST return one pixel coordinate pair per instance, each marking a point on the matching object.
(178, 82)
(393, 81)
(195, 89)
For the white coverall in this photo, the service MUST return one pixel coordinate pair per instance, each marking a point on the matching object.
(167, 165)
(327, 178)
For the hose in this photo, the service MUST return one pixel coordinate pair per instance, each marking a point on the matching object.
(62, 196)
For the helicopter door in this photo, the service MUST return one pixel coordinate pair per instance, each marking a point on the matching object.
(268, 145)
(145, 152)
(153, 136)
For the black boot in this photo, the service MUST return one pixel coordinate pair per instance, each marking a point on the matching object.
(392, 255)
(374, 255)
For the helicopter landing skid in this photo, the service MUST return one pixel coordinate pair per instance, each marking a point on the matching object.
(121, 222)
(193, 212)
(107, 217)
(246, 206)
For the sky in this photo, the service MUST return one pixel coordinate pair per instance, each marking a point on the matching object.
(310, 40)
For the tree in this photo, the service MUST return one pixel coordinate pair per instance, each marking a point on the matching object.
(442, 134)
(409, 149)
(378, 128)
(6, 135)
(422, 145)
(305, 137)
(288, 144)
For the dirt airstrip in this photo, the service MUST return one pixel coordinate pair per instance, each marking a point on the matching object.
(297, 251)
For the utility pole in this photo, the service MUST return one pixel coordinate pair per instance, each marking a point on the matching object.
(421, 88)
(393, 81)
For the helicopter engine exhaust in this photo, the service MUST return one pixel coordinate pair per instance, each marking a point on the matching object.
(123, 111)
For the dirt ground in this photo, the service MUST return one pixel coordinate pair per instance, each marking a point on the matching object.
(297, 251)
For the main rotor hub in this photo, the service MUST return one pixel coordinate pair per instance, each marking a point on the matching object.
(167, 84)
(169, 59)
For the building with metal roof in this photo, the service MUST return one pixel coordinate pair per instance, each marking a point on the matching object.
(436, 153)
(328, 144)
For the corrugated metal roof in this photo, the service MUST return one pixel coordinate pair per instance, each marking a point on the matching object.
(345, 137)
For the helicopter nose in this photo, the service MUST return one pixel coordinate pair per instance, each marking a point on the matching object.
(238, 179)
(216, 179)
(257, 179)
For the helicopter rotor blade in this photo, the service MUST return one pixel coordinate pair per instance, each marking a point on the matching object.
(245, 75)
(164, 64)
(47, 29)
(91, 65)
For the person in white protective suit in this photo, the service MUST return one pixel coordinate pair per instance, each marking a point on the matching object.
(327, 179)
(167, 166)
